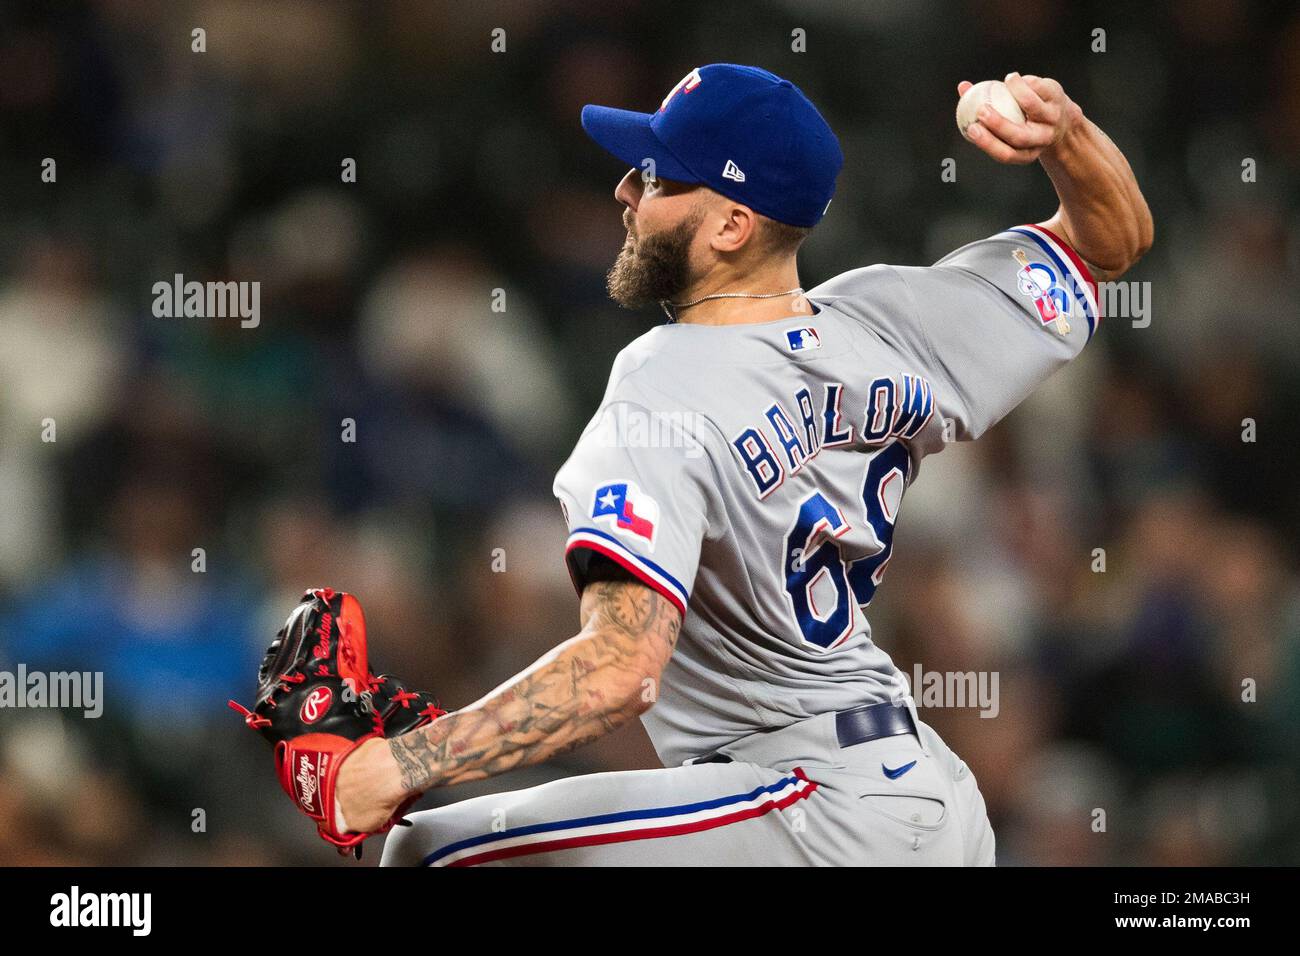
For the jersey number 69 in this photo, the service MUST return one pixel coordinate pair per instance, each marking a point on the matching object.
(813, 553)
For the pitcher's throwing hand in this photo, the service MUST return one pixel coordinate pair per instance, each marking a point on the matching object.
(1049, 117)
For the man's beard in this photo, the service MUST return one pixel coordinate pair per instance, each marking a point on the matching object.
(655, 268)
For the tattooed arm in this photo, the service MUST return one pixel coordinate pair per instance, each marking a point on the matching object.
(589, 685)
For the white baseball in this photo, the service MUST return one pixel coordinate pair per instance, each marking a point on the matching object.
(996, 95)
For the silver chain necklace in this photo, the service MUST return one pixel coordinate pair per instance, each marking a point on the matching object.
(665, 304)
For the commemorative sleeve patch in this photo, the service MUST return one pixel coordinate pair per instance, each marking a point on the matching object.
(1038, 281)
(624, 507)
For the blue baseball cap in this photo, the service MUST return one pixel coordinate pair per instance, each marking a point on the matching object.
(743, 132)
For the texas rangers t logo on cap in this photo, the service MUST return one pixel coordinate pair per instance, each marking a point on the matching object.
(687, 83)
(627, 508)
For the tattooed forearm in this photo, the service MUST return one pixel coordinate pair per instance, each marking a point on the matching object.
(582, 690)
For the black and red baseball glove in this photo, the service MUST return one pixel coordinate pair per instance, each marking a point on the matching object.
(317, 701)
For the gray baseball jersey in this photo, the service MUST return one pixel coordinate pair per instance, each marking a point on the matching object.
(753, 474)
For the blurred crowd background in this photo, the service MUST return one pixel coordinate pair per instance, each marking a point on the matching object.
(1119, 690)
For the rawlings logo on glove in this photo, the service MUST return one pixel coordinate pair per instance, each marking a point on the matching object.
(316, 705)
(308, 781)
(317, 701)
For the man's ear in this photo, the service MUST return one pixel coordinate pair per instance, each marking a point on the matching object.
(737, 227)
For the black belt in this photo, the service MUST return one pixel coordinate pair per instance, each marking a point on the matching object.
(857, 726)
(873, 721)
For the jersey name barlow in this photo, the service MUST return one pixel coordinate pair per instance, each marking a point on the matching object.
(790, 435)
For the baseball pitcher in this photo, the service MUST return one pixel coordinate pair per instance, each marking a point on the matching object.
(732, 505)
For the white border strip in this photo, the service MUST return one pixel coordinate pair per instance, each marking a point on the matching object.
(587, 537)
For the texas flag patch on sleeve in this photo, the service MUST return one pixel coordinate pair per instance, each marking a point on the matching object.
(624, 507)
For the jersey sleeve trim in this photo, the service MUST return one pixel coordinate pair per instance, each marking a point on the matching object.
(643, 569)
(1068, 261)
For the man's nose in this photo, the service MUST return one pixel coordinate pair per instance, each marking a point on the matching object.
(628, 191)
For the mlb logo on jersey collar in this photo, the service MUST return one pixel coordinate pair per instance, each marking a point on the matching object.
(802, 339)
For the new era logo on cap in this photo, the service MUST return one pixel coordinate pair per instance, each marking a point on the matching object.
(732, 171)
